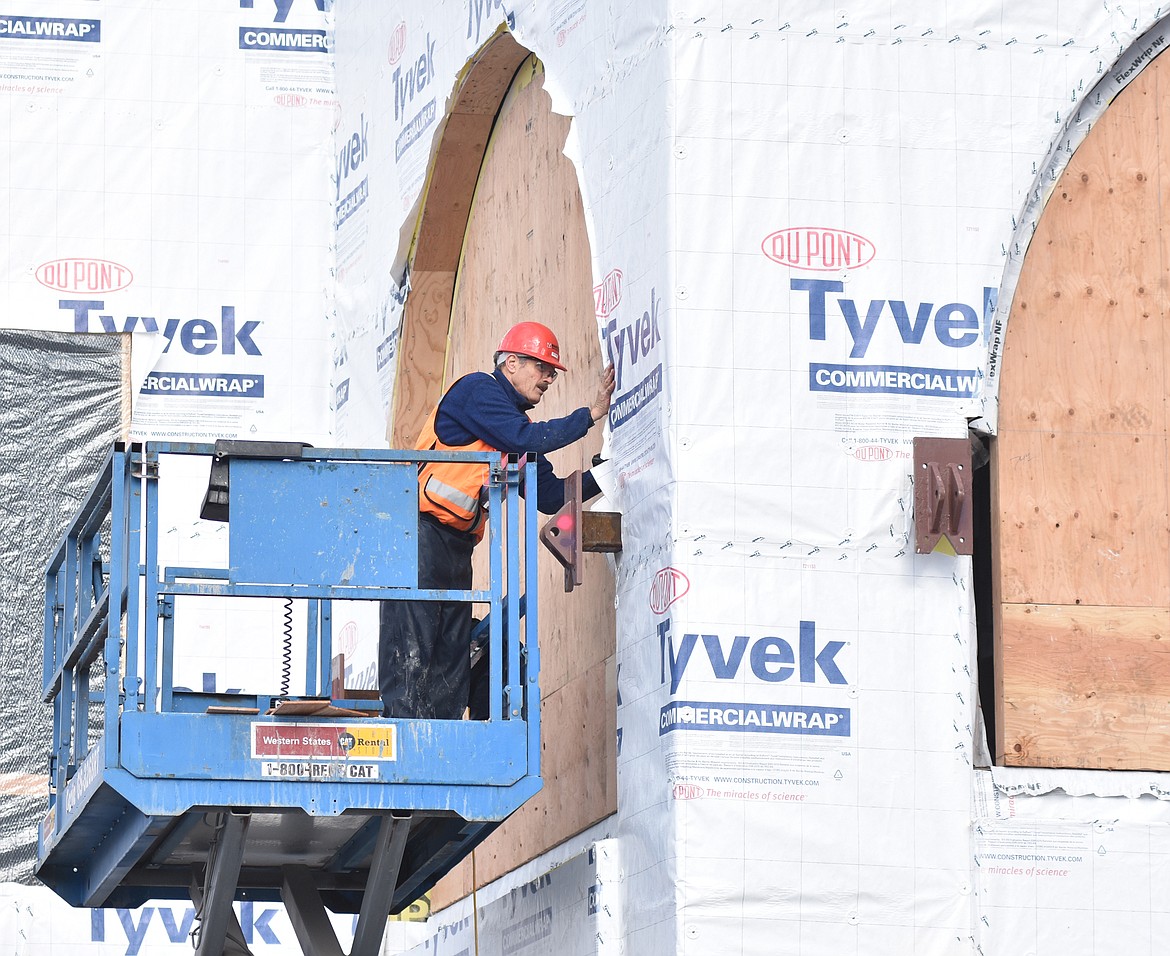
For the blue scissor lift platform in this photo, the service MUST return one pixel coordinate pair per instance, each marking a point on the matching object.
(313, 799)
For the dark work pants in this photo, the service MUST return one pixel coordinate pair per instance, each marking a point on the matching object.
(424, 667)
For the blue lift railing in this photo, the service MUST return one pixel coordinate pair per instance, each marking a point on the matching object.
(158, 792)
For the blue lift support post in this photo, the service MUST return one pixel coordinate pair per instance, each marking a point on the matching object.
(310, 798)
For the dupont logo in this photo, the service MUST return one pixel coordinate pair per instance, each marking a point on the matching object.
(872, 452)
(608, 293)
(397, 44)
(290, 99)
(83, 275)
(669, 585)
(686, 791)
(817, 249)
(346, 640)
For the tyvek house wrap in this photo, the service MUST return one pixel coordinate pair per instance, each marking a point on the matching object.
(165, 183)
(844, 193)
(812, 212)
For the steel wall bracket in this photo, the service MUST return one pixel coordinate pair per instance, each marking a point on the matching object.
(942, 495)
(571, 532)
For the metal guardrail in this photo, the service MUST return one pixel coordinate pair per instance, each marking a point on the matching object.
(136, 761)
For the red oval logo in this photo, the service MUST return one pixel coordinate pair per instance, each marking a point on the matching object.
(669, 585)
(397, 43)
(873, 453)
(608, 293)
(84, 275)
(818, 249)
(290, 99)
(346, 640)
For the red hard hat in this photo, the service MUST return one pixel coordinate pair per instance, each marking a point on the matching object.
(534, 340)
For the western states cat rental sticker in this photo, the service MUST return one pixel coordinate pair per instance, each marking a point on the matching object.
(321, 751)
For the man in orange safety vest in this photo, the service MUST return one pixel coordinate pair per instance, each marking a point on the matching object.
(423, 646)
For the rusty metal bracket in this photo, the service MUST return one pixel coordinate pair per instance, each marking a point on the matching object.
(560, 532)
(571, 532)
(942, 494)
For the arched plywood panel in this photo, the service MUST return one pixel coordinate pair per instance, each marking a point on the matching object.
(1081, 507)
(527, 257)
(435, 255)
(523, 253)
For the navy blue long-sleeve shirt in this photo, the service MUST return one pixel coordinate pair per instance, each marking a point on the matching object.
(486, 407)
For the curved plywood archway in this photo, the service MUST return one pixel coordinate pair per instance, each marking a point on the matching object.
(434, 258)
(520, 252)
(1082, 500)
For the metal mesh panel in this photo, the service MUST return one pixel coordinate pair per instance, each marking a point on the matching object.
(60, 409)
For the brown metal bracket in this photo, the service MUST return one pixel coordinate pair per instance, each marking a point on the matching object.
(942, 494)
(559, 533)
(571, 532)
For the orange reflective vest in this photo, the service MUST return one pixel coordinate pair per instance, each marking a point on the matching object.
(452, 491)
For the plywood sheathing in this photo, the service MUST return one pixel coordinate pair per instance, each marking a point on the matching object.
(1082, 509)
(579, 772)
(524, 254)
(1089, 676)
(126, 402)
(442, 223)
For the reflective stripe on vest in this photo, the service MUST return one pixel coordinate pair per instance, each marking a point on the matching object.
(442, 490)
(451, 491)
